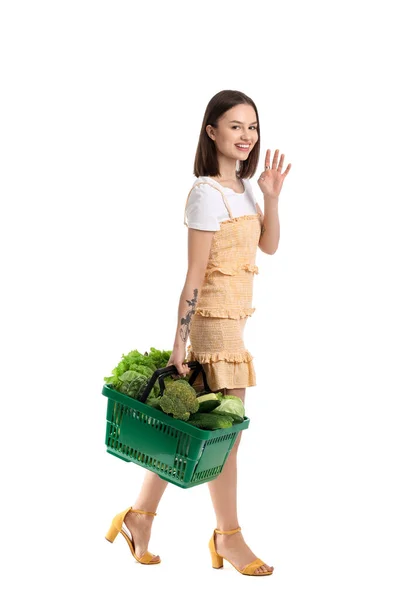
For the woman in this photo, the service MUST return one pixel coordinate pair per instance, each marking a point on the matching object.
(225, 228)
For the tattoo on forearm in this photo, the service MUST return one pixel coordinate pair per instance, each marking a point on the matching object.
(185, 321)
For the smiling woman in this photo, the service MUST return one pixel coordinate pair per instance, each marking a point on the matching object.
(230, 132)
(224, 227)
(224, 268)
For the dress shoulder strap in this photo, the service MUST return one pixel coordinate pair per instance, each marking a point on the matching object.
(214, 186)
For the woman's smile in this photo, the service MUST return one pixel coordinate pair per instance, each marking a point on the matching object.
(243, 147)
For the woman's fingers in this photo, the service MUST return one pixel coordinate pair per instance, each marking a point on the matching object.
(185, 369)
(275, 159)
(287, 169)
(268, 159)
(275, 164)
(182, 369)
(177, 359)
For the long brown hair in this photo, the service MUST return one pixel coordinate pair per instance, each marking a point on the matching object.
(206, 161)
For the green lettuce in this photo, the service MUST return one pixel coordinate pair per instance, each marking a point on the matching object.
(135, 363)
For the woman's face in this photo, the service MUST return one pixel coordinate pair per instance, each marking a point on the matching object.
(237, 126)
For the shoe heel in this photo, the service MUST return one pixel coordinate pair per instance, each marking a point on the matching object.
(112, 534)
(216, 560)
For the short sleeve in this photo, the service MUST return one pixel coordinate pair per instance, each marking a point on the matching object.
(203, 207)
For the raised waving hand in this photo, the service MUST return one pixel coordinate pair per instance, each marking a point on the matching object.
(272, 178)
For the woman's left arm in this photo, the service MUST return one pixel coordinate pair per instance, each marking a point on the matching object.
(270, 182)
(270, 229)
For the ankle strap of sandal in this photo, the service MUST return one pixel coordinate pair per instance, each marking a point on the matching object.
(228, 532)
(143, 512)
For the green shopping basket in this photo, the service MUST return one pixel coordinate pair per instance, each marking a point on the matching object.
(177, 451)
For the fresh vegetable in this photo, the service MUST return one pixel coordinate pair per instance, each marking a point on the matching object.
(231, 406)
(210, 421)
(208, 396)
(208, 405)
(132, 384)
(154, 402)
(205, 393)
(159, 358)
(236, 418)
(180, 381)
(179, 399)
(144, 364)
(208, 402)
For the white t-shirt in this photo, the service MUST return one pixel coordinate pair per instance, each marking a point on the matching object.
(205, 208)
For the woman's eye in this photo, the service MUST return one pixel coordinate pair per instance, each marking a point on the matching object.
(251, 126)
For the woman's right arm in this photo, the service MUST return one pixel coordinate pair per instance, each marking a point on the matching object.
(199, 246)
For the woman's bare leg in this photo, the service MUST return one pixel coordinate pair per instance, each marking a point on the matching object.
(149, 497)
(223, 491)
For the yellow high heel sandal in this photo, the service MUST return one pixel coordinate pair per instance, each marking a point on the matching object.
(218, 560)
(118, 526)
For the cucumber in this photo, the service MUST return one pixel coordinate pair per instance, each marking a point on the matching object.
(235, 418)
(210, 421)
(206, 406)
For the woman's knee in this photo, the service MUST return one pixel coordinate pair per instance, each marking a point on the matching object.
(235, 446)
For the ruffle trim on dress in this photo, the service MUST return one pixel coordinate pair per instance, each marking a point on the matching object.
(229, 269)
(225, 313)
(251, 268)
(212, 357)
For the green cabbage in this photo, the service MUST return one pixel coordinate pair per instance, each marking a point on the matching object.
(133, 384)
(231, 406)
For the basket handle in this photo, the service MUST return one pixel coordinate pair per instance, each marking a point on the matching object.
(172, 370)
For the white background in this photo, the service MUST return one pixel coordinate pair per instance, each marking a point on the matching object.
(102, 104)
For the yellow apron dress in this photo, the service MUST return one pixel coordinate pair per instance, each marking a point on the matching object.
(225, 302)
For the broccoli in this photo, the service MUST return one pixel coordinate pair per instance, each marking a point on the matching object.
(179, 400)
